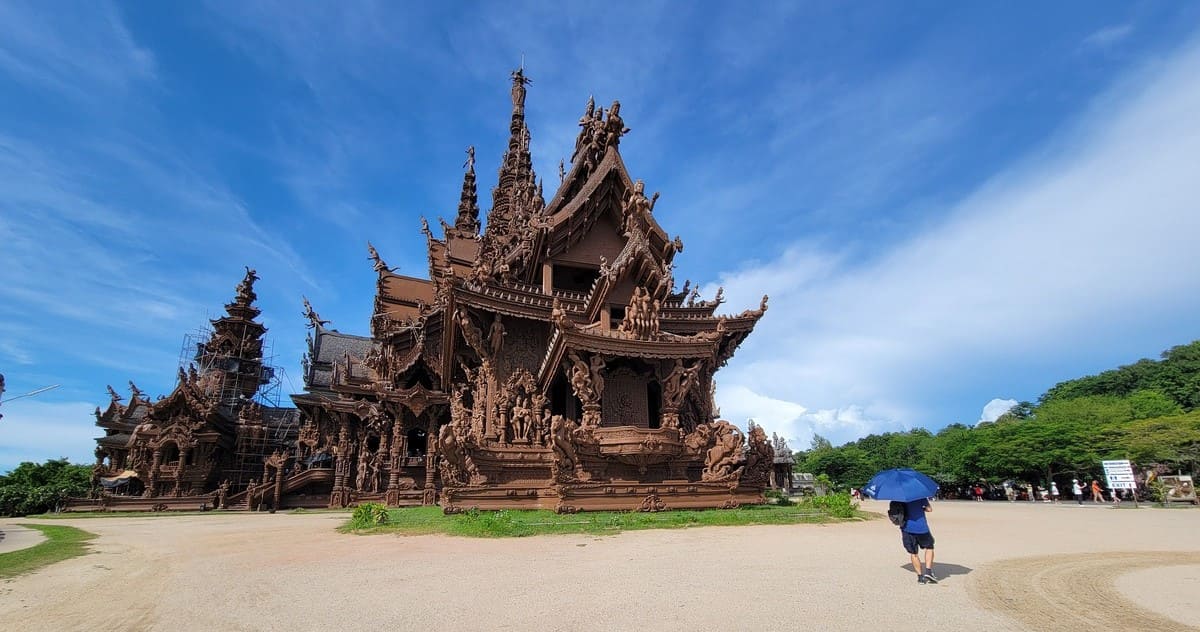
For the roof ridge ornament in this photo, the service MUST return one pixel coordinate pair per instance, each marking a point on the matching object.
(380, 265)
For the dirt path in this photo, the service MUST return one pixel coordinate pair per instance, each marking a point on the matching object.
(295, 572)
(1074, 592)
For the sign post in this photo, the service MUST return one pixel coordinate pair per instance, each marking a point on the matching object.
(1119, 474)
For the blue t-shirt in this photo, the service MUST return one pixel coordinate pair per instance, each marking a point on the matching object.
(915, 511)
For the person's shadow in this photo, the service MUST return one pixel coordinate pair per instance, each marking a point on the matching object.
(943, 570)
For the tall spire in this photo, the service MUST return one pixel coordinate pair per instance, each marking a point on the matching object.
(517, 182)
(468, 203)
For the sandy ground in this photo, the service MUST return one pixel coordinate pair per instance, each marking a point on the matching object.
(1005, 567)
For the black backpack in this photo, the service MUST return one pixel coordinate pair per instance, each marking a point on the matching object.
(898, 513)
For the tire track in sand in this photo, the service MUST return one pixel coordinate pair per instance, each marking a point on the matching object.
(1073, 591)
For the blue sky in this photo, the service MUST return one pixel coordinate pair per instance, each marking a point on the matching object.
(949, 203)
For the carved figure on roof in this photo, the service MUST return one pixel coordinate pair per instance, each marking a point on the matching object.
(245, 289)
(314, 320)
(135, 392)
(585, 125)
(379, 265)
(641, 316)
(691, 302)
(113, 394)
(469, 165)
(615, 127)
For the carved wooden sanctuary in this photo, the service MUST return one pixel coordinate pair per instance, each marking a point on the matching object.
(548, 361)
(207, 436)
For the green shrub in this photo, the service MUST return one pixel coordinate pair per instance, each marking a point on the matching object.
(368, 515)
(838, 505)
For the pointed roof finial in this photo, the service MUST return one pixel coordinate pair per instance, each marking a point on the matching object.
(518, 90)
(245, 289)
(468, 202)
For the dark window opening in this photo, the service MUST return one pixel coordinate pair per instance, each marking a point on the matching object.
(562, 399)
(654, 403)
(416, 442)
(372, 443)
(419, 376)
(616, 315)
(170, 454)
(574, 279)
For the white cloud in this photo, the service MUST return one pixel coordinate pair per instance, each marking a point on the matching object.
(1071, 247)
(1107, 37)
(993, 409)
(35, 431)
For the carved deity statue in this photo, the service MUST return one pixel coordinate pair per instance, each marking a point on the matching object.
(496, 334)
(724, 453)
(519, 81)
(245, 289)
(112, 393)
(562, 444)
(456, 466)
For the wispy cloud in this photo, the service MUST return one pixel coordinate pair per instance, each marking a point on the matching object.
(1049, 255)
(1107, 37)
(74, 52)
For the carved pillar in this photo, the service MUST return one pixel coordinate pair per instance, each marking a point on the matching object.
(150, 484)
(278, 486)
(341, 464)
(430, 495)
(393, 494)
(547, 278)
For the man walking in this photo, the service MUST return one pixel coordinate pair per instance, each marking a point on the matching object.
(915, 535)
(1077, 490)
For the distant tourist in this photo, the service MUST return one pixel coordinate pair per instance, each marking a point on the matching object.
(978, 493)
(915, 535)
(1097, 495)
(1009, 492)
(1077, 490)
(1116, 495)
(1053, 491)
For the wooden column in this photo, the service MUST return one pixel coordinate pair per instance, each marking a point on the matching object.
(547, 278)
(430, 495)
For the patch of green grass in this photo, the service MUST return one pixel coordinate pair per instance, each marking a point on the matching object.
(61, 543)
(521, 523)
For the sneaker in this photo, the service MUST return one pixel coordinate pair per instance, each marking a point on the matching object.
(928, 577)
(921, 579)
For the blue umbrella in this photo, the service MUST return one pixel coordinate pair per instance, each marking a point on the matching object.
(903, 484)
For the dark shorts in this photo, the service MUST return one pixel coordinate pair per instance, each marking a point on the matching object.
(913, 540)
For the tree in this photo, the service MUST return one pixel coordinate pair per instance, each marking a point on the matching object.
(32, 488)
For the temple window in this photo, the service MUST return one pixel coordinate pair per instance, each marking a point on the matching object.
(654, 403)
(573, 278)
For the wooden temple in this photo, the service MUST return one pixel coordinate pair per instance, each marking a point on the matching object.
(548, 361)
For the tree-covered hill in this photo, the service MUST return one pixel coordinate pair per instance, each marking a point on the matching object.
(1147, 412)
